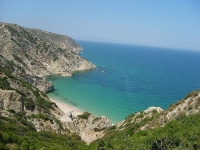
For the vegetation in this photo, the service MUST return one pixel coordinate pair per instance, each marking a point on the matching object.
(25, 34)
(191, 94)
(12, 30)
(85, 115)
(4, 84)
(183, 133)
(30, 103)
(16, 42)
(17, 58)
(30, 37)
(19, 134)
(55, 57)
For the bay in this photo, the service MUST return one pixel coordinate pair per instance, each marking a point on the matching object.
(128, 79)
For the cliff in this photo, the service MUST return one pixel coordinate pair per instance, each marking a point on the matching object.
(39, 52)
(19, 97)
(25, 54)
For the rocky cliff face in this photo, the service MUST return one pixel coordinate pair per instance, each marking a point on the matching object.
(24, 55)
(20, 98)
(40, 53)
(11, 99)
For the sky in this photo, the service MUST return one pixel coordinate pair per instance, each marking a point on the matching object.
(160, 23)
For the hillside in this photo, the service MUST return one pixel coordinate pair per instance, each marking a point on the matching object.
(24, 57)
(64, 42)
(182, 132)
(29, 120)
(39, 56)
(156, 129)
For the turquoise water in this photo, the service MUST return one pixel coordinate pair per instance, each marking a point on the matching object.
(128, 79)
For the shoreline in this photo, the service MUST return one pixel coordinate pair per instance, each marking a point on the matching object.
(61, 74)
(66, 108)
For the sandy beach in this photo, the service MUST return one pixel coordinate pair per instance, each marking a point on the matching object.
(67, 109)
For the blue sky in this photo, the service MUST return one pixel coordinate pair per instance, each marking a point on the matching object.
(169, 23)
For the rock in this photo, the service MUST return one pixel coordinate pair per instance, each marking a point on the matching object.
(153, 108)
(42, 125)
(89, 129)
(10, 99)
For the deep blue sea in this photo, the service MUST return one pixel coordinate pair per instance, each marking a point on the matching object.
(128, 79)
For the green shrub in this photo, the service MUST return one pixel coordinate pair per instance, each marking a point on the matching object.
(55, 57)
(192, 94)
(4, 84)
(29, 103)
(17, 58)
(11, 110)
(85, 115)
(16, 42)
(12, 30)
(98, 129)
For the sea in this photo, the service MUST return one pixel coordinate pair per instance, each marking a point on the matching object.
(128, 79)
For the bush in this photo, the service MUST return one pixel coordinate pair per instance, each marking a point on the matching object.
(12, 30)
(55, 57)
(98, 129)
(85, 115)
(17, 58)
(192, 94)
(4, 84)
(29, 103)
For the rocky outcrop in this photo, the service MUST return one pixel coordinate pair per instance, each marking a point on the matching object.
(10, 99)
(89, 129)
(138, 117)
(158, 109)
(158, 117)
(18, 97)
(185, 107)
(40, 83)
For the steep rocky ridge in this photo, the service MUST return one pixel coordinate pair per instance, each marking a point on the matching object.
(41, 55)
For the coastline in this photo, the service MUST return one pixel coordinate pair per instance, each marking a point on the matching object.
(67, 109)
(58, 73)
